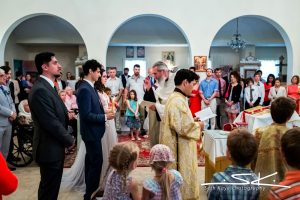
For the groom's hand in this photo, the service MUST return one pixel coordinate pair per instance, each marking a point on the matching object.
(110, 115)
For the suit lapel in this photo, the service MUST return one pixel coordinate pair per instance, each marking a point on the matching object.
(52, 90)
(95, 94)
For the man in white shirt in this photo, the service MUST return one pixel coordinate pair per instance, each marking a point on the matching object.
(261, 88)
(136, 82)
(115, 84)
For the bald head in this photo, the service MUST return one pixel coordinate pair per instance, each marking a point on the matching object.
(150, 71)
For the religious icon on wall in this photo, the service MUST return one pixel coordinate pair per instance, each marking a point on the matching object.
(140, 52)
(169, 57)
(200, 62)
(249, 73)
(129, 52)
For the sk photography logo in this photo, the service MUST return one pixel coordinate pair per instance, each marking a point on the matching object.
(246, 182)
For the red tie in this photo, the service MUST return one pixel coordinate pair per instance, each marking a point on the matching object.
(56, 87)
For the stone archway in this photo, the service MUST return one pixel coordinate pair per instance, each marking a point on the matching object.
(260, 30)
(150, 32)
(42, 32)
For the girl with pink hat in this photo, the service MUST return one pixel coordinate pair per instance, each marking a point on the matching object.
(166, 182)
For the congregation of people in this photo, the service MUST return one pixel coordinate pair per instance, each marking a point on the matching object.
(160, 108)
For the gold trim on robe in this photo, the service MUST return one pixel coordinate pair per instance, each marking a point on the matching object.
(178, 120)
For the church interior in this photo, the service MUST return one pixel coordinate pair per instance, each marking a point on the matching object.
(243, 36)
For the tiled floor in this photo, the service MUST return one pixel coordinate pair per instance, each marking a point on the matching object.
(29, 179)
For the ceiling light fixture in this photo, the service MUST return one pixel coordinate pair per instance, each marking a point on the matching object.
(236, 42)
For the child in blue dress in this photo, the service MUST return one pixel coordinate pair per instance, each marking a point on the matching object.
(166, 183)
(132, 114)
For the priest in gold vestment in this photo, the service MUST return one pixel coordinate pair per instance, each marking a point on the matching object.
(180, 132)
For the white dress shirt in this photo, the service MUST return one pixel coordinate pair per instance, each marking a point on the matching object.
(254, 94)
(115, 85)
(261, 91)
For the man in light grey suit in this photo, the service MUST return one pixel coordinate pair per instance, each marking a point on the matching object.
(7, 114)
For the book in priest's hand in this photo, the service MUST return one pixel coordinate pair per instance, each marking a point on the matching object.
(205, 114)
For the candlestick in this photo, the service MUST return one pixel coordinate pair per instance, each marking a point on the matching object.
(113, 104)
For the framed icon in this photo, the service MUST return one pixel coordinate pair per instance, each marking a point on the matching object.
(200, 62)
(140, 51)
(129, 52)
(168, 56)
(249, 73)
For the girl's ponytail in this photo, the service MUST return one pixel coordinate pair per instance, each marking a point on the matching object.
(165, 179)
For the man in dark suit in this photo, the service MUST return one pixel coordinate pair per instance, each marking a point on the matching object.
(50, 117)
(125, 76)
(61, 83)
(92, 125)
(22, 93)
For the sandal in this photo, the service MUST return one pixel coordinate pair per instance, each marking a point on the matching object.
(139, 139)
(132, 139)
(145, 136)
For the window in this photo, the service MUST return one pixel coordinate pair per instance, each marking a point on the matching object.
(269, 67)
(129, 63)
(209, 64)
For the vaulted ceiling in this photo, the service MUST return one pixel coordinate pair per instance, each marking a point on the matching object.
(144, 30)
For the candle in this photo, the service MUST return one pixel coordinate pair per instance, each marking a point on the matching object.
(113, 104)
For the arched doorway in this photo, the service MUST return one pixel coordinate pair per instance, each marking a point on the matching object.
(146, 39)
(266, 43)
(41, 32)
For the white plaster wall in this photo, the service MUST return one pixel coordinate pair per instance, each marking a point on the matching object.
(116, 55)
(225, 56)
(14, 51)
(97, 20)
(271, 53)
(65, 54)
